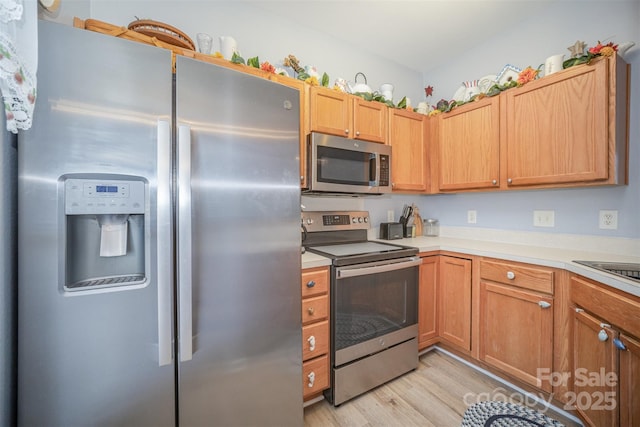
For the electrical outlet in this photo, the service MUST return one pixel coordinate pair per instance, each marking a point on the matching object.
(472, 217)
(390, 215)
(608, 220)
(544, 218)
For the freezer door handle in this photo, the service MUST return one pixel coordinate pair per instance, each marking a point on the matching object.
(163, 244)
(185, 318)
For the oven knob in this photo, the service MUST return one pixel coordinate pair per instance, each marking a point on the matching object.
(366, 219)
(360, 220)
(354, 220)
(309, 221)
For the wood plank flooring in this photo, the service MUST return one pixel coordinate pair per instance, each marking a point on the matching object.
(436, 394)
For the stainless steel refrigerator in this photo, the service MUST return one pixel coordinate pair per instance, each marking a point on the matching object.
(159, 241)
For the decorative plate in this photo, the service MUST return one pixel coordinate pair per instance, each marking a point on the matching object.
(459, 95)
(509, 72)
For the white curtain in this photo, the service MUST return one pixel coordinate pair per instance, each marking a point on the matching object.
(18, 61)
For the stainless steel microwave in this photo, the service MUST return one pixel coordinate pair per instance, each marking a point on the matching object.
(342, 165)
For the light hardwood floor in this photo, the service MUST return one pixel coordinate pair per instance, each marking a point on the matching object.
(436, 394)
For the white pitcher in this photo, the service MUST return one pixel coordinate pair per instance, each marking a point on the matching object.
(228, 46)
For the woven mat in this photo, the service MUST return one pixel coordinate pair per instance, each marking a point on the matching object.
(504, 414)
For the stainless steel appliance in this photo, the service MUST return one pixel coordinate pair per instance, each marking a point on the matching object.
(159, 245)
(8, 267)
(341, 165)
(374, 302)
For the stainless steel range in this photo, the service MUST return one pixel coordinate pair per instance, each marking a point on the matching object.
(374, 302)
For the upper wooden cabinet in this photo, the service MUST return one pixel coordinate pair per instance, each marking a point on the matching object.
(567, 129)
(469, 146)
(341, 114)
(561, 129)
(408, 139)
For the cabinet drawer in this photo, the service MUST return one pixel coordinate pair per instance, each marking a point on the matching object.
(314, 309)
(315, 375)
(619, 310)
(315, 340)
(315, 281)
(535, 279)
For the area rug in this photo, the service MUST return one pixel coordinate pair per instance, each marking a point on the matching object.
(504, 414)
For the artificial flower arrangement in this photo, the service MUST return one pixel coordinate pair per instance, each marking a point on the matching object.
(309, 75)
(530, 74)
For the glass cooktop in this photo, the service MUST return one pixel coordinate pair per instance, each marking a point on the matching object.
(360, 248)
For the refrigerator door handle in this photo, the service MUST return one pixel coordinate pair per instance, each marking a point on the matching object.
(185, 318)
(163, 244)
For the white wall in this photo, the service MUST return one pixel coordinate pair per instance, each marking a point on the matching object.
(267, 36)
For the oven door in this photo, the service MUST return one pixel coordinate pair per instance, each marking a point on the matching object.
(374, 306)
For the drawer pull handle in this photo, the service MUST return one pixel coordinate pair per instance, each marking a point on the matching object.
(312, 343)
(544, 304)
(312, 379)
(310, 310)
(602, 335)
(511, 275)
(311, 284)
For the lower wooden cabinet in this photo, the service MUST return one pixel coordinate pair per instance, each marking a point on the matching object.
(428, 302)
(516, 320)
(605, 381)
(630, 382)
(454, 302)
(315, 331)
(593, 354)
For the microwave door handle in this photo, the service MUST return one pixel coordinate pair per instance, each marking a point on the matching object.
(374, 169)
(362, 271)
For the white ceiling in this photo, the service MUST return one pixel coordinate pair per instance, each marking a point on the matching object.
(420, 34)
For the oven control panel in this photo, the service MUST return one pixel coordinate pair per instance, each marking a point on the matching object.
(335, 220)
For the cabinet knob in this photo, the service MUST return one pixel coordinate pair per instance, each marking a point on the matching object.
(511, 275)
(310, 310)
(494, 182)
(509, 180)
(301, 178)
(602, 335)
(357, 133)
(312, 379)
(544, 304)
(312, 343)
(311, 284)
(346, 131)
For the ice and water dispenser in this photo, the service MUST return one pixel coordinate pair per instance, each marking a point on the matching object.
(104, 232)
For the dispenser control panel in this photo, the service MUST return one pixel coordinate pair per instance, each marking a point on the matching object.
(108, 196)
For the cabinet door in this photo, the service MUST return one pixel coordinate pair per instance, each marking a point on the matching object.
(409, 158)
(594, 360)
(329, 111)
(454, 308)
(427, 302)
(556, 128)
(629, 399)
(304, 122)
(369, 120)
(469, 146)
(516, 331)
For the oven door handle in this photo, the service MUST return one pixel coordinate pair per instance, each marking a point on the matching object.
(380, 268)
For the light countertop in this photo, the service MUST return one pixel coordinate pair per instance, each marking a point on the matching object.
(546, 256)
